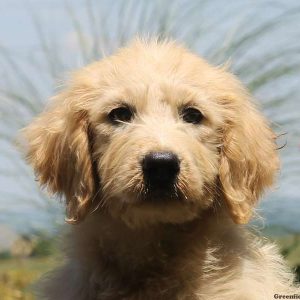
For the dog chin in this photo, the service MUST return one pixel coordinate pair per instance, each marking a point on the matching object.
(155, 211)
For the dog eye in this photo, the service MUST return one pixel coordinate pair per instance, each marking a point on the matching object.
(120, 114)
(192, 115)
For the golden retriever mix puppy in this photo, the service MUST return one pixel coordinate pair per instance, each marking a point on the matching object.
(161, 158)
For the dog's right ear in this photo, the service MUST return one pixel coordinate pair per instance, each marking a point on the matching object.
(57, 146)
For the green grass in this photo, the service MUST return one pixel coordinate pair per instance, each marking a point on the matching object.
(290, 248)
(18, 275)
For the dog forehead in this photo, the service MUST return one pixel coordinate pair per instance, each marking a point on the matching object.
(143, 62)
(149, 71)
(152, 62)
(154, 70)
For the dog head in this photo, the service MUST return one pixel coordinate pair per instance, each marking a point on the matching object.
(153, 134)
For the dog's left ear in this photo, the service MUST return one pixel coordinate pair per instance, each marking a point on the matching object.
(249, 160)
(58, 148)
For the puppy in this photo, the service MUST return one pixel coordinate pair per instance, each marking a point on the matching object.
(160, 158)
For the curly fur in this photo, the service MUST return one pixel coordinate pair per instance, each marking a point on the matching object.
(124, 247)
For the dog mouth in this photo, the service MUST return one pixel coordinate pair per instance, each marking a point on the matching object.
(161, 193)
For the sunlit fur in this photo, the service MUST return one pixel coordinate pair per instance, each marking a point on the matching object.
(123, 246)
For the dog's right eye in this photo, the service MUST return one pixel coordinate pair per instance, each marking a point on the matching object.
(120, 114)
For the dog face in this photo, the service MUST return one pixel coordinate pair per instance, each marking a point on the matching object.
(153, 134)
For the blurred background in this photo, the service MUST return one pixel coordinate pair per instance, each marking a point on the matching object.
(41, 41)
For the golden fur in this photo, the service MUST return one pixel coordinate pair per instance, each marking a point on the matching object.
(123, 247)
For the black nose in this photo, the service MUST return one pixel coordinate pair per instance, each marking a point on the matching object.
(160, 169)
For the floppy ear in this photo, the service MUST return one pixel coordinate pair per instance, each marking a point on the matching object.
(58, 149)
(249, 161)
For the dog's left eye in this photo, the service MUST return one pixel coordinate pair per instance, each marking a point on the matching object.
(120, 114)
(191, 115)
